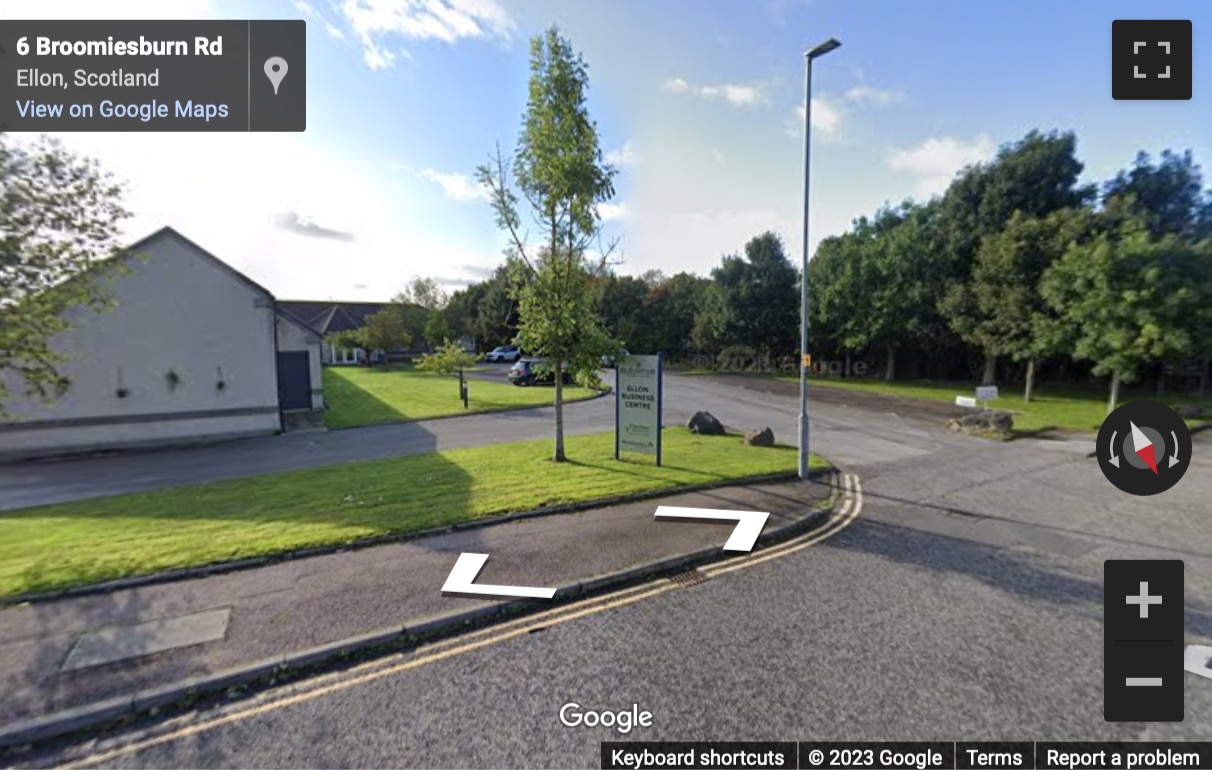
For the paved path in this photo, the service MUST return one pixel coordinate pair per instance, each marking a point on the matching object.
(964, 604)
(276, 610)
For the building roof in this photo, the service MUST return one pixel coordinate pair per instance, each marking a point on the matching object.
(168, 232)
(328, 317)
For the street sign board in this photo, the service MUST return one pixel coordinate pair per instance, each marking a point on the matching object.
(986, 393)
(965, 401)
(637, 406)
(807, 360)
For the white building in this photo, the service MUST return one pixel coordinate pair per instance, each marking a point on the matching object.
(192, 351)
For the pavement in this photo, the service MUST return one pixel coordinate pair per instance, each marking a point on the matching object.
(69, 653)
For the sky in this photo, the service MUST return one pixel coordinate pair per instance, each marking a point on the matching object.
(698, 103)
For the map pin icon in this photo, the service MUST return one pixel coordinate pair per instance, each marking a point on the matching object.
(275, 70)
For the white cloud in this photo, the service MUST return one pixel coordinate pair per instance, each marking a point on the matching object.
(677, 85)
(826, 118)
(333, 31)
(623, 157)
(455, 185)
(737, 94)
(873, 96)
(937, 159)
(612, 211)
(446, 20)
(304, 8)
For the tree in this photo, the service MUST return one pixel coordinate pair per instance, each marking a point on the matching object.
(1131, 301)
(1011, 316)
(1168, 195)
(386, 330)
(449, 358)
(560, 172)
(1034, 177)
(59, 220)
(423, 292)
(437, 329)
(760, 296)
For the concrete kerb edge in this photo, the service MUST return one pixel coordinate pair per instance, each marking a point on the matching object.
(172, 576)
(61, 723)
(103, 712)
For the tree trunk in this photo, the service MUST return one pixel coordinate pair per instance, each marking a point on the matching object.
(1161, 382)
(1113, 401)
(847, 374)
(990, 375)
(890, 365)
(559, 410)
(1203, 376)
(1029, 390)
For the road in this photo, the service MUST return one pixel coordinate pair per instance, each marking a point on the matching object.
(38, 483)
(964, 603)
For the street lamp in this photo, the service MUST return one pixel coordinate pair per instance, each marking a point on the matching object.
(809, 55)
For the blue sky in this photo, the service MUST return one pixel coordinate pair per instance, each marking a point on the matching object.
(696, 101)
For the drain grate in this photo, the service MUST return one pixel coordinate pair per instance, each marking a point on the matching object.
(689, 578)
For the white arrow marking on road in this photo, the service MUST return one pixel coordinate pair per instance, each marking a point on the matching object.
(1196, 660)
(1174, 457)
(462, 580)
(1114, 457)
(748, 523)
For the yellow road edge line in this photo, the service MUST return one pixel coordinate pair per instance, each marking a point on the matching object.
(851, 507)
(660, 587)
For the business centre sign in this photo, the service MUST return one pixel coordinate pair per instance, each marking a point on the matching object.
(637, 406)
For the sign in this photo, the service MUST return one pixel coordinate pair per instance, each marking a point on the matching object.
(637, 406)
(965, 401)
(807, 360)
(987, 393)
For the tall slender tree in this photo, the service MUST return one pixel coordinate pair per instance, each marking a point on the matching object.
(560, 172)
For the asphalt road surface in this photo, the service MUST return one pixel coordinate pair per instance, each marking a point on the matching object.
(963, 603)
(37, 483)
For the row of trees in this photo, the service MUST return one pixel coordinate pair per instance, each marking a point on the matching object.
(1014, 269)
(1016, 262)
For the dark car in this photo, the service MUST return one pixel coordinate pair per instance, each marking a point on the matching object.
(535, 371)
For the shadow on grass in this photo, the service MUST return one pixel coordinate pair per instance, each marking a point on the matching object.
(351, 405)
(103, 539)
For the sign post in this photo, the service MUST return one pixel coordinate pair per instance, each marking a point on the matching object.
(638, 405)
(986, 393)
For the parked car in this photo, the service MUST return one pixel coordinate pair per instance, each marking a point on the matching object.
(535, 371)
(503, 355)
(609, 362)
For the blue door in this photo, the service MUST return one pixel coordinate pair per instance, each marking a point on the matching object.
(294, 380)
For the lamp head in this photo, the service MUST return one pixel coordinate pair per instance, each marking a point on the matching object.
(823, 48)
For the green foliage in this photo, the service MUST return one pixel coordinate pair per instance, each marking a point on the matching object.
(559, 171)
(387, 329)
(758, 297)
(1168, 195)
(449, 358)
(437, 328)
(1129, 300)
(59, 217)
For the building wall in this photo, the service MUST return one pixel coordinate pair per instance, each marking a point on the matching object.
(293, 337)
(177, 311)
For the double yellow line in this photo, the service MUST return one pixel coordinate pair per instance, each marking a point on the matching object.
(852, 504)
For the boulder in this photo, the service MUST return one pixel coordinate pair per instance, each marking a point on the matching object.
(704, 423)
(763, 437)
(984, 421)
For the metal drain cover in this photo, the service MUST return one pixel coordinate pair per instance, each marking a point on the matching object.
(689, 578)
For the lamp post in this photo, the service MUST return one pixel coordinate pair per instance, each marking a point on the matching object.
(809, 55)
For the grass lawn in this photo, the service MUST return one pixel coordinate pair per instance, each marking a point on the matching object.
(70, 544)
(1067, 408)
(370, 395)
